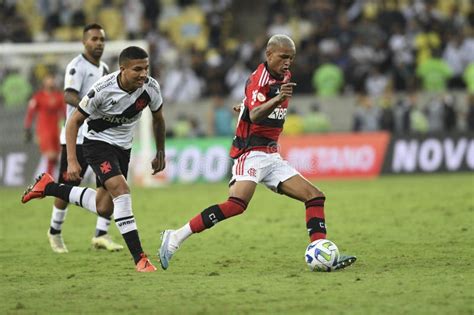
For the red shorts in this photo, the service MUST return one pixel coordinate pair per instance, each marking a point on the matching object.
(49, 142)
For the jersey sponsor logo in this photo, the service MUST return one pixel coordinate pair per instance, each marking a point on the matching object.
(105, 167)
(128, 116)
(278, 113)
(119, 120)
(107, 83)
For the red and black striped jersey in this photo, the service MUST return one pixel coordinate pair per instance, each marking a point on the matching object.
(262, 136)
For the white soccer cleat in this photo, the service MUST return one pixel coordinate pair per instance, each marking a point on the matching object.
(106, 242)
(166, 250)
(57, 243)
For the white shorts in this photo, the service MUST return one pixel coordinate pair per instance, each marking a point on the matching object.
(260, 167)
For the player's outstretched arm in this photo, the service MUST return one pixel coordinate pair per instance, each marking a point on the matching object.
(158, 163)
(72, 128)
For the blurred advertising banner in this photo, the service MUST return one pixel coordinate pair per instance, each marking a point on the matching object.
(338, 155)
(430, 153)
(19, 163)
(187, 160)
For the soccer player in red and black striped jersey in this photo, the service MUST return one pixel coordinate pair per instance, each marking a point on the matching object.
(255, 153)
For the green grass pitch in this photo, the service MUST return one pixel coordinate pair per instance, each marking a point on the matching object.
(413, 236)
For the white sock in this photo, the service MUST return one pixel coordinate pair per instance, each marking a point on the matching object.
(102, 224)
(123, 214)
(180, 235)
(83, 197)
(57, 218)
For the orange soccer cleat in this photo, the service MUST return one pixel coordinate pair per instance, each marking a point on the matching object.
(36, 190)
(145, 265)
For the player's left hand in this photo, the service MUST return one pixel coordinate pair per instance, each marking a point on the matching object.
(158, 164)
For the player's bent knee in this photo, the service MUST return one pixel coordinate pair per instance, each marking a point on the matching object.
(117, 187)
(105, 205)
(313, 193)
(60, 204)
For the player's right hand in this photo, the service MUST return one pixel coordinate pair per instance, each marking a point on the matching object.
(74, 170)
(159, 162)
(286, 90)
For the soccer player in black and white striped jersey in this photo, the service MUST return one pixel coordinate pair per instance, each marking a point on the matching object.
(111, 110)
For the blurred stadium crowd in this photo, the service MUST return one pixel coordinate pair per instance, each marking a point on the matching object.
(383, 53)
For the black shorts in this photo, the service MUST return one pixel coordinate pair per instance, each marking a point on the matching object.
(63, 166)
(105, 159)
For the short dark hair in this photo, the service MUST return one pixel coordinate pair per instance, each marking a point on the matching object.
(132, 53)
(92, 26)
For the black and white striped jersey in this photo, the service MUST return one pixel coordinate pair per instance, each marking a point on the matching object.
(112, 112)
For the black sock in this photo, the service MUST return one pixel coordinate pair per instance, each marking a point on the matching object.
(99, 232)
(53, 231)
(58, 190)
(133, 243)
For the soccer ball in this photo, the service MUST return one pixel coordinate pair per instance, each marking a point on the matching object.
(322, 255)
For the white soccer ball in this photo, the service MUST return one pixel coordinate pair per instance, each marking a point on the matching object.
(322, 255)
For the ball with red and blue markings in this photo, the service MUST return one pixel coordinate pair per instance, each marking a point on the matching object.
(322, 255)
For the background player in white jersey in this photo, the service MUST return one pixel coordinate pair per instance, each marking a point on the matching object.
(81, 73)
(111, 109)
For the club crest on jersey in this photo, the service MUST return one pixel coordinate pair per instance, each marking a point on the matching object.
(261, 97)
(140, 104)
(252, 172)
